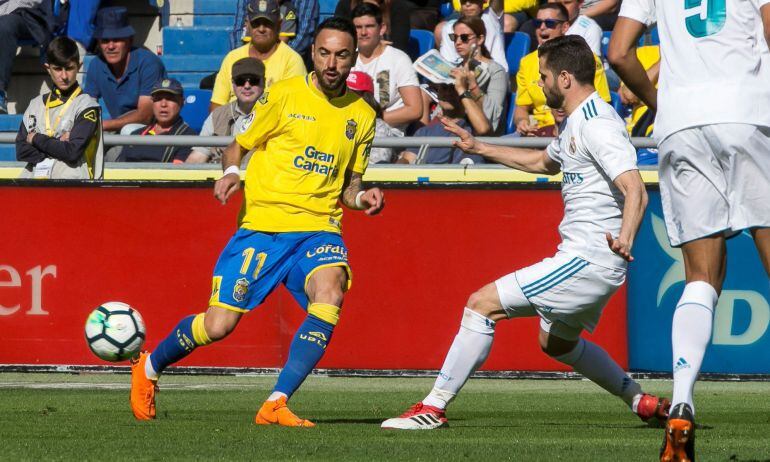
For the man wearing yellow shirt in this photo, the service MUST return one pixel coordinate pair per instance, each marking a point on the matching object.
(311, 138)
(552, 21)
(263, 24)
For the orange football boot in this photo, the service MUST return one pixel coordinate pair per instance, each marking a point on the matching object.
(276, 413)
(143, 390)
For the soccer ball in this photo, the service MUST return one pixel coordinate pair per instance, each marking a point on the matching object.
(115, 331)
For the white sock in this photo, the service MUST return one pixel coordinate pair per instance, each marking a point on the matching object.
(690, 335)
(469, 351)
(149, 371)
(596, 365)
(276, 395)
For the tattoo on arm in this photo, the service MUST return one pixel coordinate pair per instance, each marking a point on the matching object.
(350, 189)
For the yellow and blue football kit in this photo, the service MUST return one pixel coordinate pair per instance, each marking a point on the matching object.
(304, 143)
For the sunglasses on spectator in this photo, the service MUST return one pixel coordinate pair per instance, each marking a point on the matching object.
(463, 37)
(549, 23)
(253, 80)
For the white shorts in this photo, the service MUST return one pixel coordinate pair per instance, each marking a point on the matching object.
(715, 179)
(567, 292)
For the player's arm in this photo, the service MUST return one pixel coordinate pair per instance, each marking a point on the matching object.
(631, 185)
(230, 182)
(355, 197)
(69, 148)
(526, 160)
(622, 57)
(765, 12)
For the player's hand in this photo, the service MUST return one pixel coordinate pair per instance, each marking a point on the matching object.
(628, 97)
(374, 199)
(65, 136)
(31, 135)
(525, 128)
(467, 142)
(226, 187)
(620, 247)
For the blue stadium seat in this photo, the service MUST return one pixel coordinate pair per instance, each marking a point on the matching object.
(327, 7)
(10, 122)
(510, 127)
(7, 153)
(516, 47)
(196, 107)
(420, 42)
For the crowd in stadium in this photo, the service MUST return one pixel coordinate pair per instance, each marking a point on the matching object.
(495, 91)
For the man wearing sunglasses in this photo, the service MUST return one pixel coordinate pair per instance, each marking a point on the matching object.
(532, 115)
(281, 62)
(248, 85)
(494, 40)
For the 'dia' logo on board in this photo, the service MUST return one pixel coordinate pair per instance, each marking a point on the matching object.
(350, 129)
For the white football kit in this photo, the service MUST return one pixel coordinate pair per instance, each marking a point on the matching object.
(713, 122)
(570, 290)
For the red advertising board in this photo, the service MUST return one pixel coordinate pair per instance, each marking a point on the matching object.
(65, 250)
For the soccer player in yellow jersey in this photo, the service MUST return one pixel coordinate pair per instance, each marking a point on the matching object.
(312, 138)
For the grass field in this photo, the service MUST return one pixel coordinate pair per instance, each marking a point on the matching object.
(86, 417)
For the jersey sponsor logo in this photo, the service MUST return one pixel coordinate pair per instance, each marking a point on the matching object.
(90, 115)
(572, 178)
(328, 249)
(316, 161)
(298, 116)
(240, 289)
(315, 337)
(350, 129)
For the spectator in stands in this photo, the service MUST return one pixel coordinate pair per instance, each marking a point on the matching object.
(516, 12)
(122, 75)
(551, 22)
(298, 21)
(641, 121)
(494, 39)
(167, 100)
(487, 80)
(60, 135)
(248, 85)
(582, 25)
(396, 87)
(425, 14)
(604, 12)
(20, 20)
(396, 30)
(362, 84)
(281, 62)
(457, 105)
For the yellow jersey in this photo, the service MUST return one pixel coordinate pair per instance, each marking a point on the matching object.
(529, 93)
(304, 144)
(510, 6)
(284, 63)
(648, 55)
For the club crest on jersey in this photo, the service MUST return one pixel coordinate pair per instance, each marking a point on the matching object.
(350, 129)
(572, 146)
(240, 289)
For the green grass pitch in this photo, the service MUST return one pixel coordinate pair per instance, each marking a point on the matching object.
(86, 417)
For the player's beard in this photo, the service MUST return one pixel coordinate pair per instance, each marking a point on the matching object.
(553, 97)
(330, 86)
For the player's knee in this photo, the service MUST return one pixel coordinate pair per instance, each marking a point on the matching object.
(485, 301)
(217, 327)
(555, 346)
(328, 288)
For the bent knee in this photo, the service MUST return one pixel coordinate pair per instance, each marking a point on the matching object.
(218, 326)
(555, 346)
(486, 302)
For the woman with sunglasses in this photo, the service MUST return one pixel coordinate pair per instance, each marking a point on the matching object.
(479, 78)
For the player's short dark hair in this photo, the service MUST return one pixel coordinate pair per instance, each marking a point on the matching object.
(569, 53)
(338, 23)
(367, 9)
(62, 51)
(560, 9)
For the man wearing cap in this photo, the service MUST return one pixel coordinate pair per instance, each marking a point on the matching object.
(248, 82)
(281, 62)
(167, 99)
(123, 75)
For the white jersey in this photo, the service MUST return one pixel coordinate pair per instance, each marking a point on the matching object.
(589, 30)
(494, 40)
(593, 150)
(715, 65)
(390, 71)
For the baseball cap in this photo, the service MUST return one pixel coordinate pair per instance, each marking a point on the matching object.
(169, 86)
(248, 65)
(268, 9)
(360, 81)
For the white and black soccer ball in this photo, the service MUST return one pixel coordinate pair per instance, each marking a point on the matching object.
(115, 331)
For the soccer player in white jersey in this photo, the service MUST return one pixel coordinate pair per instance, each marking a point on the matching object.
(713, 131)
(604, 202)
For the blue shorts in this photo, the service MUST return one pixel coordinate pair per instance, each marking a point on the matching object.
(254, 263)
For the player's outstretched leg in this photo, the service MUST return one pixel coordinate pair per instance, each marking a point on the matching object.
(594, 363)
(325, 289)
(191, 332)
(468, 352)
